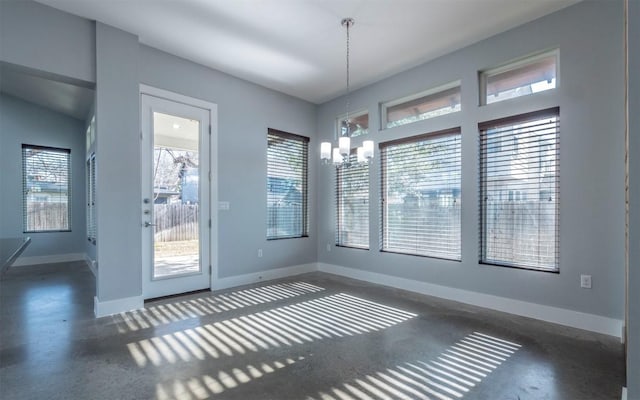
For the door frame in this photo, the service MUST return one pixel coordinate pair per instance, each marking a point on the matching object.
(212, 109)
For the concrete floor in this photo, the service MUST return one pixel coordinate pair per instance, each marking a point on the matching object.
(313, 337)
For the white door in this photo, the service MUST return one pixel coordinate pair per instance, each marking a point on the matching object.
(176, 203)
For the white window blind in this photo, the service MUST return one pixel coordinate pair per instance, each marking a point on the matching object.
(519, 173)
(91, 198)
(287, 170)
(352, 200)
(46, 174)
(421, 195)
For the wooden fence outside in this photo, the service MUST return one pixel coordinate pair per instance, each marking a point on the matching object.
(176, 222)
(46, 216)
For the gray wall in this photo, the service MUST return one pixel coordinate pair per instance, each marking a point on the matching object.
(590, 97)
(22, 122)
(245, 112)
(40, 37)
(82, 50)
(633, 288)
(118, 189)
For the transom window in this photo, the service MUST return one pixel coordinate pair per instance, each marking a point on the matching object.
(519, 175)
(531, 75)
(287, 170)
(359, 124)
(421, 195)
(46, 188)
(429, 104)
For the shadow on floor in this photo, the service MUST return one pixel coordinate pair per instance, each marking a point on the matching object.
(314, 336)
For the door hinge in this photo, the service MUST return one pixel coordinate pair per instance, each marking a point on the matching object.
(209, 269)
(209, 176)
(209, 222)
(209, 129)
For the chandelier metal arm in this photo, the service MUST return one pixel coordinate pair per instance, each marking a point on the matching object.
(340, 154)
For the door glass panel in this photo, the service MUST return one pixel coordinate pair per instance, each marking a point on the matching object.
(176, 195)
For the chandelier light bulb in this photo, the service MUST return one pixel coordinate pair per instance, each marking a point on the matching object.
(367, 146)
(325, 151)
(337, 158)
(345, 145)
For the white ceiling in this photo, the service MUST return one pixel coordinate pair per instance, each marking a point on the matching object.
(298, 46)
(48, 91)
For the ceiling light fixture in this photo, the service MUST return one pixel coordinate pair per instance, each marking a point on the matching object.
(340, 155)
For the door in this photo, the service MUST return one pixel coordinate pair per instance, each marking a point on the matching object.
(175, 197)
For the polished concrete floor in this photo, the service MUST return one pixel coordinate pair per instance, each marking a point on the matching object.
(312, 337)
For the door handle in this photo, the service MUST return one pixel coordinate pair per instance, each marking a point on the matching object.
(148, 224)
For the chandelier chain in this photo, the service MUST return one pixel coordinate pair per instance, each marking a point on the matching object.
(348, 24)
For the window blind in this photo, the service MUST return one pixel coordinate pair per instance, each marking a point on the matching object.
(287, 192)
(421, 195)
(519, 175)
(352, 204)
(91, 199)
(46, 174)
(88, 193)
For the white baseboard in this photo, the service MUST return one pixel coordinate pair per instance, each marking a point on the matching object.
(91, 264)
(624, 393)
(50, 259)
(109, 307)
(576, 319)
(238, 280)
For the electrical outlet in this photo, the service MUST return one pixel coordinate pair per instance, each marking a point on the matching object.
(585, 281)
(259, 253)
(328, 246)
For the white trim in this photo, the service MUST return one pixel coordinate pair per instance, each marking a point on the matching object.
(624, 393)
(210, 259)
(109, 307)
(238, 280)
(179, 98)
(92, 265)
(50, 259)
(575, 319)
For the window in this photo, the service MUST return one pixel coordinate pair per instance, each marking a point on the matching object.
(519, 191)
(352, 200)
(287, 159)
(421, 195)
(432, 103)
(359, 124)
(532, 75)
(91, 198)
(46, 174)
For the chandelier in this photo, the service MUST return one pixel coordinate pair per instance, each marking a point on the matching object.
(340, 155)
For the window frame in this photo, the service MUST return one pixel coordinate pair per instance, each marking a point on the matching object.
(513, 65)
(339, 175)
(304, 220)
(456, 131)
(482, 171)
(384, 106)
(25, 188)
(352, 115)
